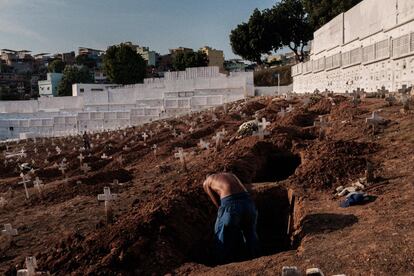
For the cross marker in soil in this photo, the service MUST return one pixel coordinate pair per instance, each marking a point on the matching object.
(218, 139)
(38, 184)
(290, 108)
(81, 157)
(9, 231)
(203, 144)
(322, 124)
(154, 147)
(107, 197)
(24, 181)
(3, 202)
(31, 265)
(181, 155)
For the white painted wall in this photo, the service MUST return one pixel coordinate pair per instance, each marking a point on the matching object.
(377, 50)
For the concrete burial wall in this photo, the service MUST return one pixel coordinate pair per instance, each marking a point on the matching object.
(369, 47)
(113, 107)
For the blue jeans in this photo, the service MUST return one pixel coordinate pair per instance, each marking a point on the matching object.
(235, 229)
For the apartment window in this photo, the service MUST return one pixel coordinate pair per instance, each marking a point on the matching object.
(96, 89)
(82, 90)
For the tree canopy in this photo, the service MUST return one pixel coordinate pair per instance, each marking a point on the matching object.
(256, 37)
(184, 60)
(85, 60)
(123, 65)
(322, 11)
(71, 75)
(56, 66)
(289, 23)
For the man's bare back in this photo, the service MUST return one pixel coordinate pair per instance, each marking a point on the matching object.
(222, 184)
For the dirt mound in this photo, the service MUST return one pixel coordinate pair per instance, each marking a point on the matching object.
(326, 164)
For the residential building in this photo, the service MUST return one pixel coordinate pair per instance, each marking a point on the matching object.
(21, 61)
(48, 87)
(67, 58)
(79, 89)
(175, 51)
(100, 76)
(92, 53)
(149, 56)
(215, 57)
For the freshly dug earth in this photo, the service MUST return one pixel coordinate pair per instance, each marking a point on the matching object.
(164, 222)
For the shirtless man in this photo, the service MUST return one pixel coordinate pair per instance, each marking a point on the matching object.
(235, 228)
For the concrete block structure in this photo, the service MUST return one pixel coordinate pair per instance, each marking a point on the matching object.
(369, 48)
(96, 107)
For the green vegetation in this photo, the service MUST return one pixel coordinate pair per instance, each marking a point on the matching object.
(56, 66)
(71, 75)
(184, 60)
(268, 77)
(322, 11)
(123, 65)
(289, 23)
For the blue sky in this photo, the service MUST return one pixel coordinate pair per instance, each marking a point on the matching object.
(63, 25)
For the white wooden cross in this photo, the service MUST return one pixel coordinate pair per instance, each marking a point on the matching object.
(374, 120)
(81, 157)
(58, 150)
(35, 150)
(290, 108)
(322, 124)
(218, 139)
(24, 181)
(203, 144)
(264, 123)
(107, 197)
(62, 167)
(125, 148)
(38, 184)
(175, 134)
(3, 202)
(154, 147)
(85, 168)
(8, 230)
(145, 136)
(31, 266)
(104, 156)
(191, 130)
(181, 155)
(214, 117)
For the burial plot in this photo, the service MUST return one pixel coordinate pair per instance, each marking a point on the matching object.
(107, 197)
(3, 202)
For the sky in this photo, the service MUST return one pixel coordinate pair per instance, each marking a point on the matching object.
(54, 26)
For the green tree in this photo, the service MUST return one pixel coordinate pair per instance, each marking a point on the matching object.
(184, 60)
(322, 11)
(85, 60)
(123, 65)
(56, 66)
(289, 20)
(256, 37)
(71, 75)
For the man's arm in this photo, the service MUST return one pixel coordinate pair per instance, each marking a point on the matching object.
(207, 189)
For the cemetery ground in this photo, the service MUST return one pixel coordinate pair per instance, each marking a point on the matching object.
(162, 219)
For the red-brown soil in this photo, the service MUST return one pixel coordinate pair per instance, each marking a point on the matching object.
(164, 222)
